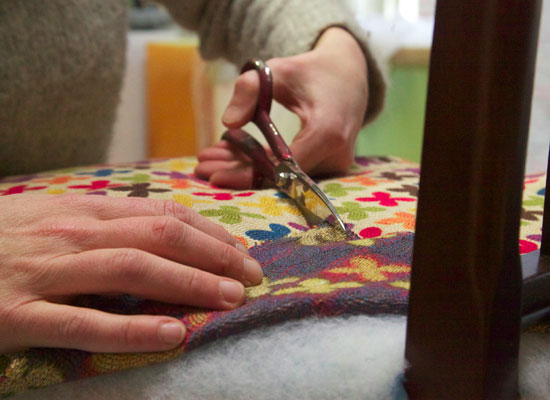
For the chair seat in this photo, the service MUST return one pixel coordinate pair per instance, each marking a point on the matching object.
(378, 198)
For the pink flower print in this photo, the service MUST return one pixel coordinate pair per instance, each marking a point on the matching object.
(96, 185)
(370, 232)
(298, 226)
(532, 178)
(385, 199)
(19, 189)
(536, 238)
(526, 247)
(224, 195)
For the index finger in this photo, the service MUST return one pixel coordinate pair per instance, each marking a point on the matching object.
(109, 208)
(242, 105)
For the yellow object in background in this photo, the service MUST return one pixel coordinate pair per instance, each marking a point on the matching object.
(179, 100)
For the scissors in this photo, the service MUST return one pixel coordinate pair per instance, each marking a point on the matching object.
(285, 174)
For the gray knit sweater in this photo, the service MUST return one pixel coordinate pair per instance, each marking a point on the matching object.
(62, 63)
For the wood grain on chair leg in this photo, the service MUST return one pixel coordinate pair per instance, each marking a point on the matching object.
(464, 309)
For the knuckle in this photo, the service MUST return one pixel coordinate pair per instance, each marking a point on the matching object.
(168, 208)
(127, 256)
(286, 67)
(126, 334)
(247, 84)
(74, 328)
(129, 265)
(195, 283)
(169, 231)
(226, 259)
(174, 209)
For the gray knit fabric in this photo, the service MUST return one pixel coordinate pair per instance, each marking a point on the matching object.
(61, 68)
(62, 62)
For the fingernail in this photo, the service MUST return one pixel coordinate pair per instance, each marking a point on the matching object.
(241, 248)
(171, 333)
(252, 271)
(232, 292)
(231, 115)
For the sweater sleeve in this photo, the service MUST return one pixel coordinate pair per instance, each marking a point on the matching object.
(238, 30)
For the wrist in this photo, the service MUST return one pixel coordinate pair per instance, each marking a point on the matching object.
(338, 36)
(338, 40)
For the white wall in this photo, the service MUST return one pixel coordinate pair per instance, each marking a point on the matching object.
(539, 134)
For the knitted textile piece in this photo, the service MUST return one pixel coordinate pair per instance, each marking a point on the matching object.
(305, 273)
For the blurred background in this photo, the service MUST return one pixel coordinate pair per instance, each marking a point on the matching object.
(172, 101)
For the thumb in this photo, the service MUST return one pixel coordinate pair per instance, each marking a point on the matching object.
(243, 102)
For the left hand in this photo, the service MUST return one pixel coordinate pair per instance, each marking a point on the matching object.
(326, 87)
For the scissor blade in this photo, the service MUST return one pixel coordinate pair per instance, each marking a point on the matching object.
(310, 199)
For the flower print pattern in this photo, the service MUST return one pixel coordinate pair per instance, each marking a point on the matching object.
(385, 199)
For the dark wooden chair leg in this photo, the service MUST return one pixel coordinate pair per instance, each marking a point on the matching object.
(464, 310)
(545, 242)
(536, 271)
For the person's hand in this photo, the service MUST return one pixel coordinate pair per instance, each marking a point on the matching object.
(326, 87)
(54, 248)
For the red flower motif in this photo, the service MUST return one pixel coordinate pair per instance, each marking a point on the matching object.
(526, 247)
(370, 232)
(224, 195)
(384, 199)
(96, 185)
(19, 189)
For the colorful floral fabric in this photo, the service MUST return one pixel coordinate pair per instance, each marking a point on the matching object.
(307, 272)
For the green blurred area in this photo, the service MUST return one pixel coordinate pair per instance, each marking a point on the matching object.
(398, 130)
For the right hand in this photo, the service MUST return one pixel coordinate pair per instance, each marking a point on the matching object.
(326, 87)
(54, 248)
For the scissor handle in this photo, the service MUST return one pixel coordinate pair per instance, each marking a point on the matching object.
(263, 169)
(261, 115)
